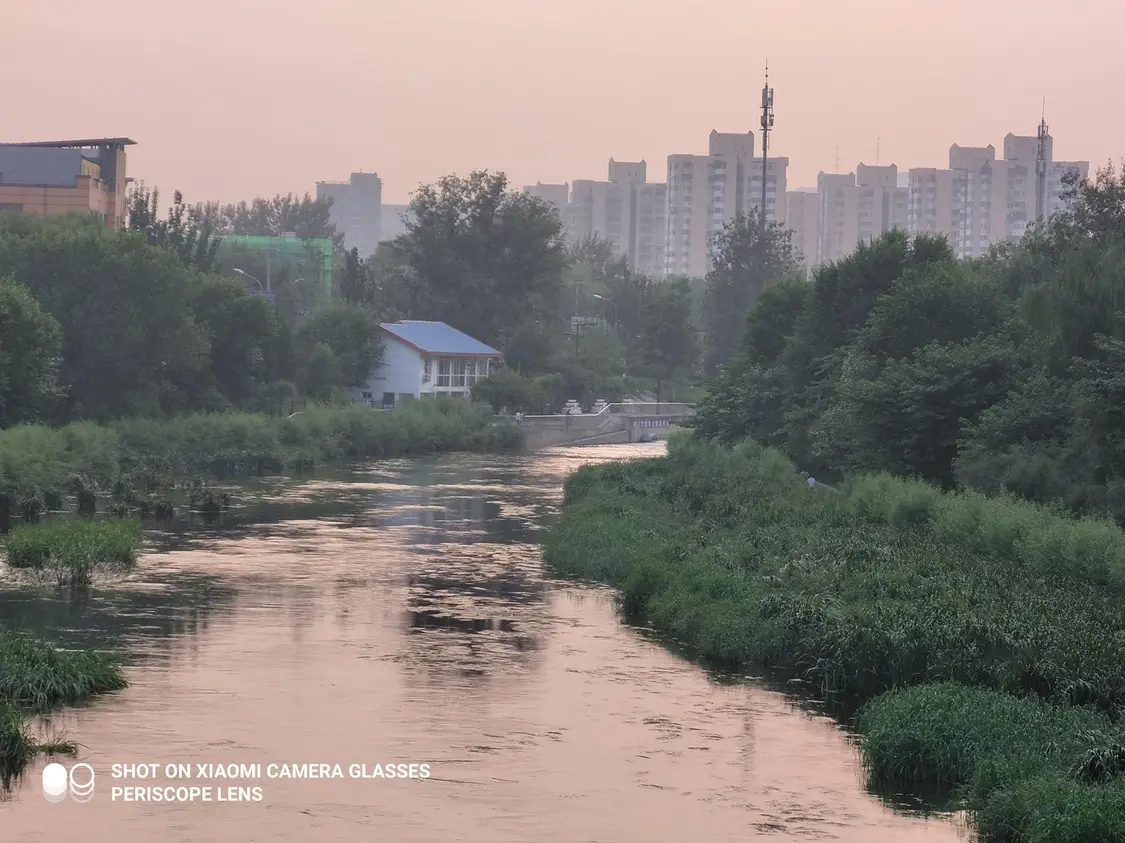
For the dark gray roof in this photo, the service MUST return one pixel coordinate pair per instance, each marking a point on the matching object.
(48, 166)
(438, 338)
(84, 143)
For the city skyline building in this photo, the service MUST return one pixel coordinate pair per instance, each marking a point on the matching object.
(626, 210)
(356, 211)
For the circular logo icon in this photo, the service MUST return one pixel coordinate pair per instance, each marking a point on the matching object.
(55, 782)
(81, 782)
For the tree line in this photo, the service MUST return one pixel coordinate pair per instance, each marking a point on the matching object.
(1003, 373)
(155, 320)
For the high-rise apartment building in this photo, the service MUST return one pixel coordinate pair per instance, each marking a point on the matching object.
(705, 192)
(802, 217)
(557, 195)
(858, 207)
(649, 210)
(393, 221)
(776, 185)
(1059, 175)
(357, 210)
(934, 203)
(981, 200)
(838, 215)
(625, 210)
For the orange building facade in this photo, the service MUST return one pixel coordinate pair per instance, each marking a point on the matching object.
(59, 177)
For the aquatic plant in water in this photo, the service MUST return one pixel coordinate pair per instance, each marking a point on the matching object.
(74, 547)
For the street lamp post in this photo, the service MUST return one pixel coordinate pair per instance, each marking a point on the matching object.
(245, 274)
(611, 301)
(268, 288)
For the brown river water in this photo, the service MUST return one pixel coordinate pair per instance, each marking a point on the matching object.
(402, 614)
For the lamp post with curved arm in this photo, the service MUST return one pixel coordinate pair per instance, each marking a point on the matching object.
(611, 301)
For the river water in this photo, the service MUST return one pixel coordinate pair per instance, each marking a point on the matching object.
(401, 614)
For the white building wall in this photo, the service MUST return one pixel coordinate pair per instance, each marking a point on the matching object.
(401, 373)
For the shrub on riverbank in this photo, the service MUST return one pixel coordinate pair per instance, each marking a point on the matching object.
(38, 463)
(74, 547)
(1024, 769)
(883, 585)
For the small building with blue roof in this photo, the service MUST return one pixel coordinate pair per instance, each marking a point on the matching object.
(424, 359)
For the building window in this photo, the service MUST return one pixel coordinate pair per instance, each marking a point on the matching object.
(443, 372)
(426, 369)
(458, 373)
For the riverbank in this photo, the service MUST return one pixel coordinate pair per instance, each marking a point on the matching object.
(888, 584)
(40, 465)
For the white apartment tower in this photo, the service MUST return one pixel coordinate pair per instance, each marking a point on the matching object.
(981, 200)
(705, 192)
(776, 170)
(802, 217)
(557, 195)
(858, 207)
(626, 210)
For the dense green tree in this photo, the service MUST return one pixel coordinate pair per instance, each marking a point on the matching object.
(130, 344)
(303, 216)
(481, 257)
(509, 390)
(668, 345)
(249, 346)
(192, 239)
(351, 333)
(30, 353)
(320, 373)
(908, 415)
(354, 283)
(747, 258)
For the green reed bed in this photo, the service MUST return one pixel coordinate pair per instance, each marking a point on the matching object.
(17, 747)
(881, 585)
(1025, 770)
(36, 675)
(127, 459)
(74, 548)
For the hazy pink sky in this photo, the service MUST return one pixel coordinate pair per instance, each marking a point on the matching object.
(232, 99)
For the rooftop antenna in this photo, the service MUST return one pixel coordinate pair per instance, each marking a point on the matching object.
(767, 126)
(877, 151)
(1041, 166)
(837, 158)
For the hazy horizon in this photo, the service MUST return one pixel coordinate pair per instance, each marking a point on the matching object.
(232, 100)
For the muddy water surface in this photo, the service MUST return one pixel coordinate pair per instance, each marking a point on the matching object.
(402, 615)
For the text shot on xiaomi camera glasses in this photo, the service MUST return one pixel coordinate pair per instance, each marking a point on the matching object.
(149, 782)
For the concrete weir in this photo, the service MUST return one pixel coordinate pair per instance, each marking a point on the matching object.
(616, 424)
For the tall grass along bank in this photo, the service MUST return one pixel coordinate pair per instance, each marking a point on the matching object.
(888, 584)
(38, 465)
(37, 677)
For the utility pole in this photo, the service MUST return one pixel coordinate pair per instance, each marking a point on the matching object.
(767, 126)
(1041, 167)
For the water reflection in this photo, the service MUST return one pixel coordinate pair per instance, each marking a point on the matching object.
(401, 613)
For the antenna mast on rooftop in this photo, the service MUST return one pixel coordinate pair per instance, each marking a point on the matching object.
(1041, 166)
(767, 127)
